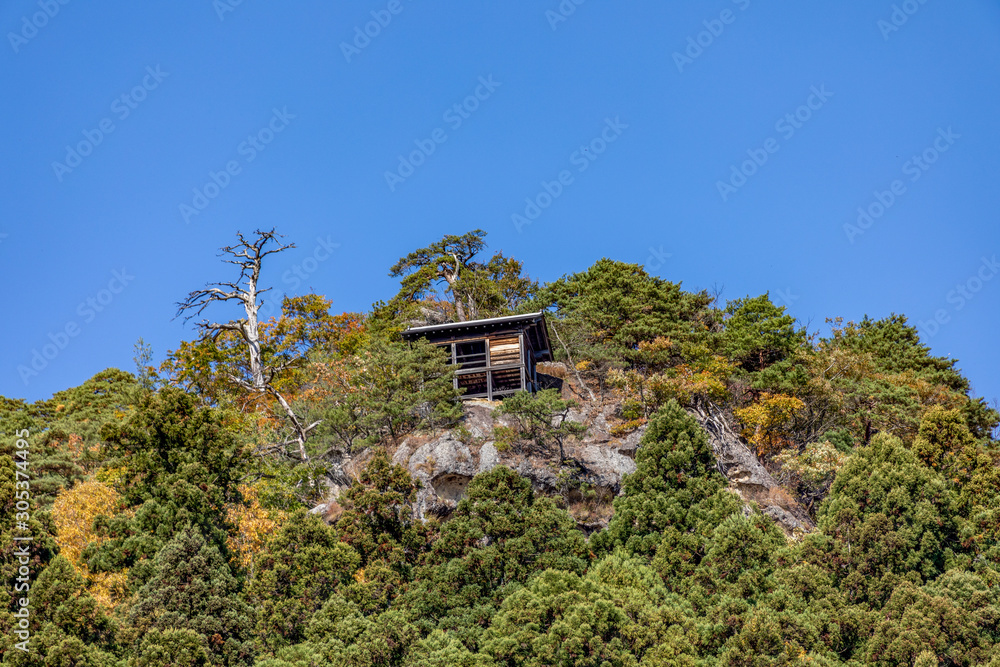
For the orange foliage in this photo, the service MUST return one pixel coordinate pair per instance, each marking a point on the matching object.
(209, 365)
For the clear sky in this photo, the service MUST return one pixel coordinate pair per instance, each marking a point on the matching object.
(723, 143)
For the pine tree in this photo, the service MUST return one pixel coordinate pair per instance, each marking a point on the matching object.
(953, 618)
(192, 590)
(541, 420)
(67, 625)
(674, 494)
(605, 312)
(301, 568)
(758, 333)
(181, 465)
(499, 535)
(378, 523)
(892, 519)
(64, 431)
(382, 394)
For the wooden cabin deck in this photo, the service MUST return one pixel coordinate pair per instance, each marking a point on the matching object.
(495, 357)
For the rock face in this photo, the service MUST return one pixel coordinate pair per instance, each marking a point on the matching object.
(747, 477)
(445, 462)
(445, 465)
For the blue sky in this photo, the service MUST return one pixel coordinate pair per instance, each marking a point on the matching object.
(630, 123)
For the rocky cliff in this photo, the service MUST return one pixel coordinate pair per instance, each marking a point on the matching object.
(446, 461)
(747, 476)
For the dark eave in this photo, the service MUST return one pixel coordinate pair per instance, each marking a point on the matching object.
(532, 323)
(473, 325)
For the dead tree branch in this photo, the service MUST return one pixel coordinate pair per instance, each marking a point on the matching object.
(249, 256)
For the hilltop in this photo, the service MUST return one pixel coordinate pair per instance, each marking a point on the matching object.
(698, 483)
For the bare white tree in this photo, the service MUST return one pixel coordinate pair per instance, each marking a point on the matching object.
(249, 256)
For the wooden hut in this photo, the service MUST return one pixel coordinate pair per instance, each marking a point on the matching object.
(494, 357)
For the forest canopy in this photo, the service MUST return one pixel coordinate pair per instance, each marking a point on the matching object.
(243, 502)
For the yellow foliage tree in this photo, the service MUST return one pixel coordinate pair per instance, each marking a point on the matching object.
(74, 511)
(253, 526)
(643, 394)
(766, 423)
(707, 378)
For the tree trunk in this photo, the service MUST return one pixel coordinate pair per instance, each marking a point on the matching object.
(248, 256)
(572, 366)
(452, 279)
(251, 333)
(301, 433)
